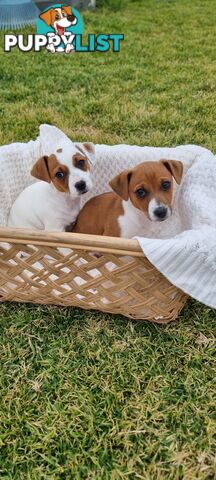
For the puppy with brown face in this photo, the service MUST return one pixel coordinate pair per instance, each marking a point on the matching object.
(142, 194)
(54, 201)
(59, 19)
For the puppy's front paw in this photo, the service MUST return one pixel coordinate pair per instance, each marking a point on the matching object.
(51, 48)
(69, 49)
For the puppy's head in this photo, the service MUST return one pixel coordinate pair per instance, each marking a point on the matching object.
(68, 168)
(59, 18)
(149, 186)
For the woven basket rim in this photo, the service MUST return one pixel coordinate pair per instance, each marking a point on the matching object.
(33, 268)
(73, 240)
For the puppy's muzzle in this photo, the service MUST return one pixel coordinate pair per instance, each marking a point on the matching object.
(81, 187)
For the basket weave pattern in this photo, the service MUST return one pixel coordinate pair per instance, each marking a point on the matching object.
(101, 273)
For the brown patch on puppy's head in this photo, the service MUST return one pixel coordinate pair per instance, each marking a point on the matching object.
(49, 169)
(80, 161)
(68, 11)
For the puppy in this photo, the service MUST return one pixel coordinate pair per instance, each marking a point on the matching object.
(59, 19)
(54, 201)
(142, 194)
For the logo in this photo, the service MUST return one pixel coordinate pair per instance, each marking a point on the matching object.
(60, 29)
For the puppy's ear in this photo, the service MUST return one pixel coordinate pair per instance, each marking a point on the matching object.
(87, 149)
(120, 184)
(175, 168)
(47, 16)
(90, 150)
(67, 9)
(40, 170)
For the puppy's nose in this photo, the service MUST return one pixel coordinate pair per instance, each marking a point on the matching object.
(161, 213)
(81, 186)
(71, 18)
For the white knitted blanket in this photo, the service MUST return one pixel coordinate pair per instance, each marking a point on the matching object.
(183, 247)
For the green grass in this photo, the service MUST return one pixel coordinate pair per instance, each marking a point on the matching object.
(86, 395)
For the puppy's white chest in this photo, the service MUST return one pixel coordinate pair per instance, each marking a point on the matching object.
(132, 222)
(65, 211)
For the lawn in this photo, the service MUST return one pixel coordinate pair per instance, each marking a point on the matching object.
(86, 395)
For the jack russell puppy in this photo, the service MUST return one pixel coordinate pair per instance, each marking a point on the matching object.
(59, 19)
(55, 201)
(144, 192)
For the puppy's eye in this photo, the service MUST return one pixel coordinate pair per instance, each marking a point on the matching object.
(60, 175)
(141, 193)
(165, 185)
(57, 17)
(64, 14)
(80, 164)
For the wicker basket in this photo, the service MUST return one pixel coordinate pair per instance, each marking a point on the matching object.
(91, 272)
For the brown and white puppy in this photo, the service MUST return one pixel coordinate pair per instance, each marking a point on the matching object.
(54, 201)
(59, 19)
(144, 192)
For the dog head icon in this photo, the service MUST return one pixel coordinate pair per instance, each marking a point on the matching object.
(59, 18)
